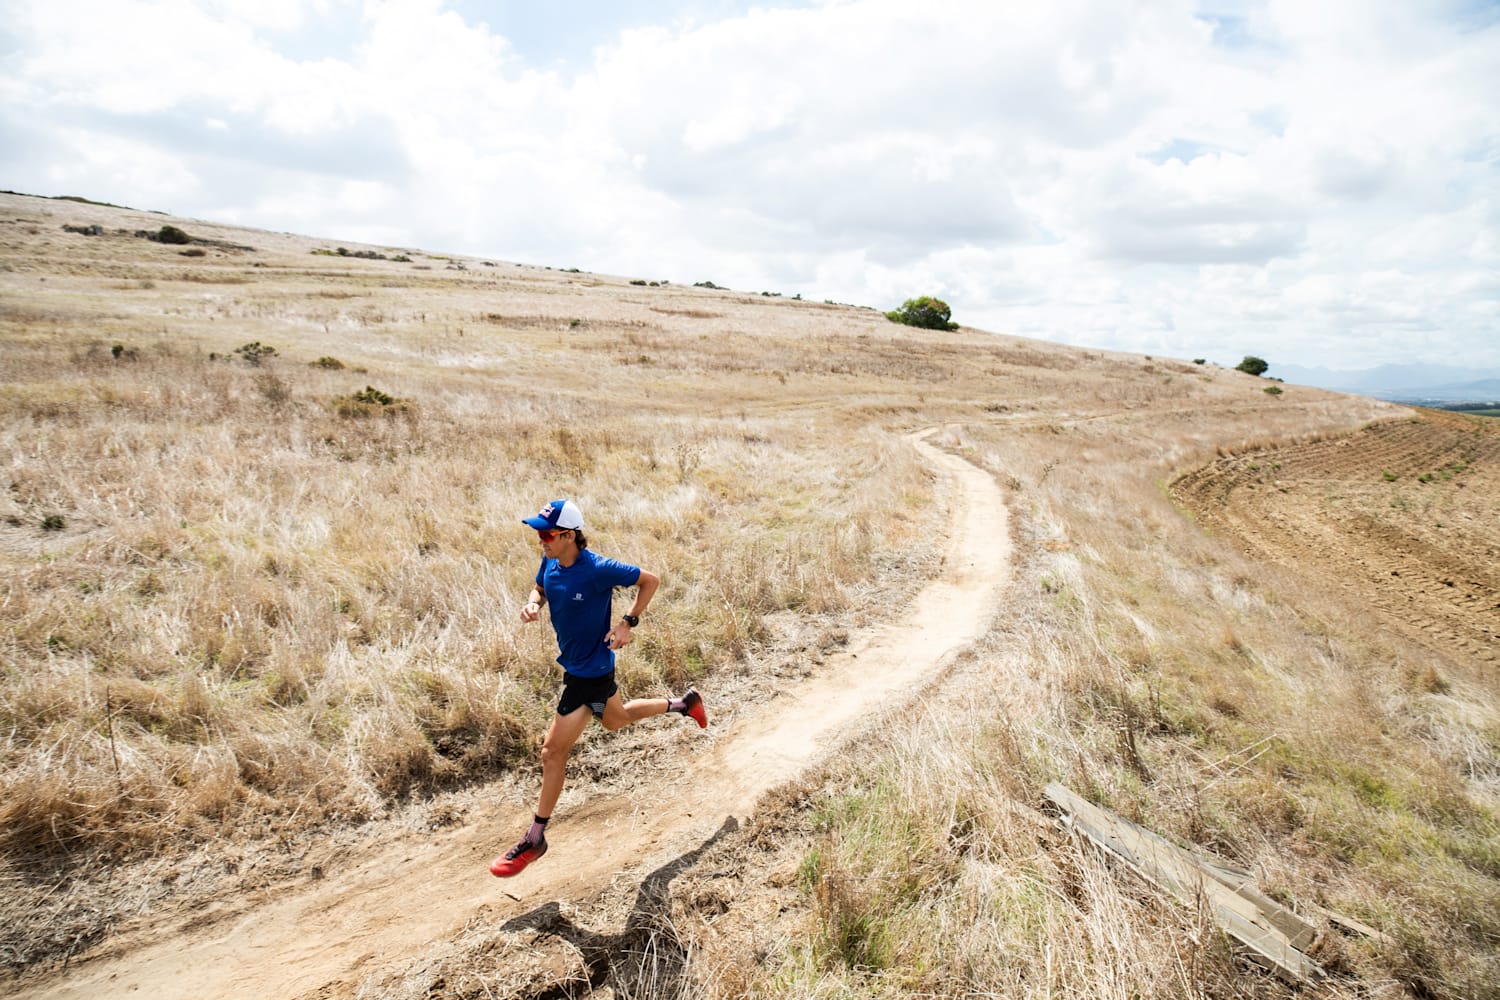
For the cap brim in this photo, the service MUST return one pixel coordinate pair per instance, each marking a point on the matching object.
(536, 522)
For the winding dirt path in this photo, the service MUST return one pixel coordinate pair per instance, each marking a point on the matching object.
(322, 939)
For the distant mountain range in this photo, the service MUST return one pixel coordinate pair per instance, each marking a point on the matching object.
(1432, 385)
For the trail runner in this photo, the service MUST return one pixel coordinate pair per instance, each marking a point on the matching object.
(578, 586)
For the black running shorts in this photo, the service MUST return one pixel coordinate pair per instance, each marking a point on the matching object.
(591, 691)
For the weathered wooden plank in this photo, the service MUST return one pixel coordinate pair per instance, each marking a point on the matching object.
(1271, 945)
(1266, 927)
(1349, 924)
(1297, 930)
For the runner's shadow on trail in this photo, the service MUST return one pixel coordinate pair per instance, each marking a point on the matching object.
(646, 957)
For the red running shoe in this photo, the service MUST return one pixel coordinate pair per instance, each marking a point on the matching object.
(692, 704)
(517, 858)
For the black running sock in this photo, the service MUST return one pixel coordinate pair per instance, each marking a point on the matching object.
(538, 831)
(677, 705)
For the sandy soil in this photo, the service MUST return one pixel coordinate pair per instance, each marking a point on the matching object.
(1399, 516)
(322, 938)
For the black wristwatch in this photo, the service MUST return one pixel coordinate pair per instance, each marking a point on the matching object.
(631, 620)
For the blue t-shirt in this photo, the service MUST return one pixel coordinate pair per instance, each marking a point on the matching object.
(581, 596)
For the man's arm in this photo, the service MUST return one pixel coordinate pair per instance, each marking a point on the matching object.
(645, 589)
(533, 607)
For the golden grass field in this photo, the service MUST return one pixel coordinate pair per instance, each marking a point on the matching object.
(252, 612)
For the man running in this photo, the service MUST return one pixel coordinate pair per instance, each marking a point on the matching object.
(579, 588)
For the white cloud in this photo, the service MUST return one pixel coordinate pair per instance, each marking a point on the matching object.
(155, 177)
(276, 15)
(1315, 183)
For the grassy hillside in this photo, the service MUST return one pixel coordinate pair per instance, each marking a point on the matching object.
(254, 598)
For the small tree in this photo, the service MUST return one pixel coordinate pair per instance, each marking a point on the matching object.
(1252, 365)
(924, 311)
(171, 234)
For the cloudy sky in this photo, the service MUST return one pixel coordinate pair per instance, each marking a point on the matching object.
(1316, 182)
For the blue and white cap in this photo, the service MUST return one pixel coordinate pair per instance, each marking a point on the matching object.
(558, 514)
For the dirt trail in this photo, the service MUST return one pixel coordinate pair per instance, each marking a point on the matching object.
(322, 939)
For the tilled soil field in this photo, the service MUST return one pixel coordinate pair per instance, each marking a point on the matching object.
(1403, 516)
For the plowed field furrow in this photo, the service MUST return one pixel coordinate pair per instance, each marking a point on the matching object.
(1403, 517)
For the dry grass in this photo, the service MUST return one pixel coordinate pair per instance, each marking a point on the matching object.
(240, 579)
(240, 604)
(1224, 703)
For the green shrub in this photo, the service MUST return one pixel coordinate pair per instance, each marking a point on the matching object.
(1272, 390)
(925, 312)
(1252, 365)
(369, 402)
(325, 361)
(359, 254)
(255, 352)
(171, 234)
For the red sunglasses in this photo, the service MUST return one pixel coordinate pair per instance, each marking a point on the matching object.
(548, 536)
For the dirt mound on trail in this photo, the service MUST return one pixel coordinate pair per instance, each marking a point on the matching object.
(1403, 515)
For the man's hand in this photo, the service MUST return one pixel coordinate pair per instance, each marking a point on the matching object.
(531, 612)
(618, 636)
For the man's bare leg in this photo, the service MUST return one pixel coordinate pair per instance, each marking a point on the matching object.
(556, 748)
(618, 715)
